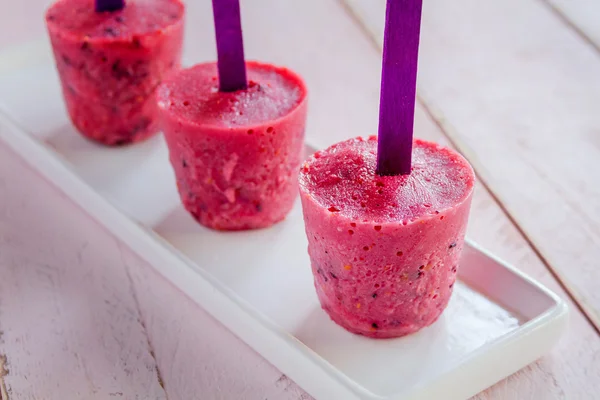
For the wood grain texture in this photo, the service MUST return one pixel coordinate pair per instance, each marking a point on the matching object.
(518, 94)
(3, 373)
(570, 371)
(198, 357)
(69, 325)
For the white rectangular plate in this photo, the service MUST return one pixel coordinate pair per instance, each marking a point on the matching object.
(259, 283)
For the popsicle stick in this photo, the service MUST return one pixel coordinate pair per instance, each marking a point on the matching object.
(108, 5)
(398, 86)
(230, 45)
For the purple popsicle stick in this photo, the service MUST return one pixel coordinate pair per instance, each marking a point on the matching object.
(108, 5)
(230, 45)
(398, 86)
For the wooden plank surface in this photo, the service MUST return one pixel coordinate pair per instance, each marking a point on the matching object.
(519, 94)
(70, 319)
(69, 325)
(568, 371)
(198, 357)
(194, 354)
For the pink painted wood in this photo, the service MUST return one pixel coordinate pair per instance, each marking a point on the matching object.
(81, 317)
(540, 148)
(195, 353)
(566, 371)
(141, 322)
(69, 323)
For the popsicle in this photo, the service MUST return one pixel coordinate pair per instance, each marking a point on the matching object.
(235, 133)
(385, 250)
(386, 216)
(111, 62)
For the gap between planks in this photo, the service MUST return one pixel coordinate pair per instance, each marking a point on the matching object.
(6, 390)
(561, 282)
(3, 373)
(3, 361)
(438, 119)
(136, 301)
(569, 23)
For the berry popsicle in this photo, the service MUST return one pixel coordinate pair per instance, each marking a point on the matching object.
(235, 154)
(110, 64)
(384, 250)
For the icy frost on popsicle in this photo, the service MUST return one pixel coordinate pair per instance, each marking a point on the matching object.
(384, 232)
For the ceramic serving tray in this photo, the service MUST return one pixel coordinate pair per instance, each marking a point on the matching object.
(259, 283)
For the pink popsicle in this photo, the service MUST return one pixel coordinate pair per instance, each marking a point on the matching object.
(235, 154)
(110, 64)
(384, 250)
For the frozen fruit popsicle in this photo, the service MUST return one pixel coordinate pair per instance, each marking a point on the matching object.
(384, 250)
(386, 217)
(235, 133)
(110, 64)
(235, 154)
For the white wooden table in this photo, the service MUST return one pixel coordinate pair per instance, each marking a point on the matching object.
(513, 84)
